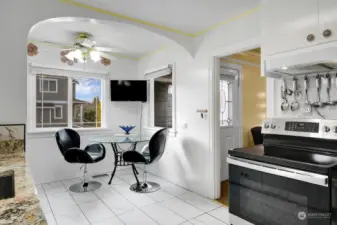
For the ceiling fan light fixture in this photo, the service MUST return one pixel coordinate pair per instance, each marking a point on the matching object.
(77, 54)
(95, 56)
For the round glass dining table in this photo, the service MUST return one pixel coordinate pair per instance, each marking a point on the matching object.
(117, 141)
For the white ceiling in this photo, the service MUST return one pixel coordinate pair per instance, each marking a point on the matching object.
(189, 16)
(134, 41)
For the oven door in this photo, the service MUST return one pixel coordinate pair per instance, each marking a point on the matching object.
(265, 194)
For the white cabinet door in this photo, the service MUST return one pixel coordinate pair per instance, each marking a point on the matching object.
(287, 23)
(328, 19)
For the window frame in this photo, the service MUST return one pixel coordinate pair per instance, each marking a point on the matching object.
(34, 70)
(49, 80)
(150, 76)
(61, 110)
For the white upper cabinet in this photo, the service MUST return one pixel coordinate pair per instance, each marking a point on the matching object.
(328, 19)
(289, 25)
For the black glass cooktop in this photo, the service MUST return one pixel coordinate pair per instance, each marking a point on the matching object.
(289, 157)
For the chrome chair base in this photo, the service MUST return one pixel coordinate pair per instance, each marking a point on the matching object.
(85, 186)
(147, 187)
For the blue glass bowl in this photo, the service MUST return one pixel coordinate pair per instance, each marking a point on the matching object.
(127, 129)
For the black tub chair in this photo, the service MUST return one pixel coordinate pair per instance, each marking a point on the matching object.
(68, 142)
(149, 155)
(257, 135)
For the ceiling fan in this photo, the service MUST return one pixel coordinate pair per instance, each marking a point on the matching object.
(85, 49)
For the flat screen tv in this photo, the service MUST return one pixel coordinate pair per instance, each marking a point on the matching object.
(128, 90)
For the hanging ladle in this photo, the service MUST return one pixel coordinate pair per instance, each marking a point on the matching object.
(284, 104)
(318, 104)
(295, 105)
(287, 91)
(328, 87)
(306, 86)
(335, 101)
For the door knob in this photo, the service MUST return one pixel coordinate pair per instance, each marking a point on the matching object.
(327, 33)
(310, 37)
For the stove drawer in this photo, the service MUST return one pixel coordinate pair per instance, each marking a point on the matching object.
(245, 177)
(262, 209)
(299, 192)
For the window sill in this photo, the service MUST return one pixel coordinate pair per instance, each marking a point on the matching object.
(81, 131)
(171, 132)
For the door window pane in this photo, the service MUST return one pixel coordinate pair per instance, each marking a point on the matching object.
(226, 103)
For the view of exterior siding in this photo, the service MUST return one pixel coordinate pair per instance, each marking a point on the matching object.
(163, 101)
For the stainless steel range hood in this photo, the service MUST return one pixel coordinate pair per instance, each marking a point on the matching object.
(311, 60)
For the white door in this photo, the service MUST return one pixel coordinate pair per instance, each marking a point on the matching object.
(286, 25)
(229, 115)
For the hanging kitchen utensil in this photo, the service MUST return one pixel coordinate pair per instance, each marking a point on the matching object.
(286, 90)
(306, 98)
(318, 104)
(284, 104)
(335, 81)
(295, 105)
(306, 86)
(327, 82)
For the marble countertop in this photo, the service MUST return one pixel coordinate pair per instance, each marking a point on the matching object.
(24, 208)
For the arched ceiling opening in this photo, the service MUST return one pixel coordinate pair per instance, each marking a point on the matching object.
(129, 41)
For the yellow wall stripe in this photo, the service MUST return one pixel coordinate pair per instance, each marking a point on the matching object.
(153, 52)
(128, 18)
(170, 29)
(241, 15)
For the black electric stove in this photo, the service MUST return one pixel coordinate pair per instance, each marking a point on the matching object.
(290, 179)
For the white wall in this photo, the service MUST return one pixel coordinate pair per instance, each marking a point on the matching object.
(188, 159)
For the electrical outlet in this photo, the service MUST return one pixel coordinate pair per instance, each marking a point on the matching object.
(307, 109)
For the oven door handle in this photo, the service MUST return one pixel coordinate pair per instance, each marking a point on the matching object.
(294, 174)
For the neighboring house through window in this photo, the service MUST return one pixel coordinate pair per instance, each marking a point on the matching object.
(64, 101)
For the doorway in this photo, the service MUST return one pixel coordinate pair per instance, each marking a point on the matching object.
(242, 106)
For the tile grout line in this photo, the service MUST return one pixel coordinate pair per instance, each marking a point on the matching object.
(157, 202)
(177, 196)
(217, 218)
(196, 206)
(130, 203)
(76, 202)
(107, 206)
(51, 210)
(133, 204)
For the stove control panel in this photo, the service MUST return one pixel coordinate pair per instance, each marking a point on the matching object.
(312, 128)
(302, 126)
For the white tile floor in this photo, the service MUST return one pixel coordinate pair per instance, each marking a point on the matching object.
(117, 205)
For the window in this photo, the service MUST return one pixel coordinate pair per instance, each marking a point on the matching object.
(161, 107)
(48, 85)
(58, 112)
(226, 100)
(163, 101)
(63, 101)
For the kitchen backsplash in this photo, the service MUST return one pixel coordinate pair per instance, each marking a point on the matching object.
(330, 112)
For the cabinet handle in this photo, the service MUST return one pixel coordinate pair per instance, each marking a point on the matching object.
(310, 37)
(327, 33)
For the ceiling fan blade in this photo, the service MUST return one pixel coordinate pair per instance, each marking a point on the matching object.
(107, 55)
(58, 44)
(108, 49)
